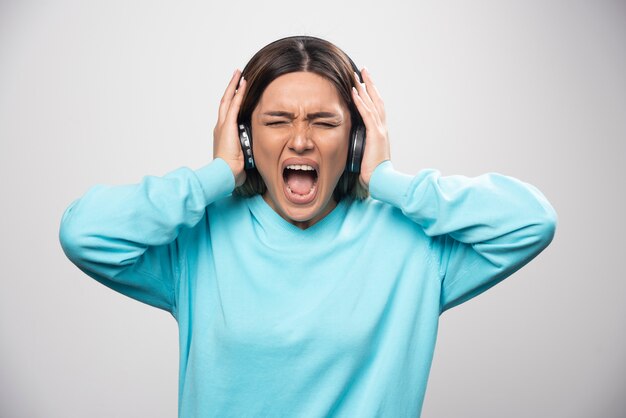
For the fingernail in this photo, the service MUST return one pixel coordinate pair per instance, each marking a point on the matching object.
(240, 80)
(366, 70)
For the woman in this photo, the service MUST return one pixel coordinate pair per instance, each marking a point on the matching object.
(296, 293)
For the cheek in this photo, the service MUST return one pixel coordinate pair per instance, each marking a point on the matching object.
(266, 150)
(337, 152)
(341, 145)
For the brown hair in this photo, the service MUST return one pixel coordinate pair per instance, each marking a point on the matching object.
(291, 54)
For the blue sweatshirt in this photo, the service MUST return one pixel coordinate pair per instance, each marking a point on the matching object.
(336, 320)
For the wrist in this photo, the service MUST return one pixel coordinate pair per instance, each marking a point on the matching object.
(366, 176)
(239, 173)
(216, 179)
(389, 185)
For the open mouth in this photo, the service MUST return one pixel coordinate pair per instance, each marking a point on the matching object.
(300, 183)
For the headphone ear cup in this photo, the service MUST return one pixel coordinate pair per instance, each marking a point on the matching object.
(245, 138)
(357, 146)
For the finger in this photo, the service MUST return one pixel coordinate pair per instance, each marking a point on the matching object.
(235, 104)
(373, 93)
(363, 93)
(368, 114)
(228, 96)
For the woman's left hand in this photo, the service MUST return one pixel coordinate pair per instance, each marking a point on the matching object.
(372, 109)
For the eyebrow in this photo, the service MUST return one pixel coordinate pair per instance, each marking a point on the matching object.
(309, 115)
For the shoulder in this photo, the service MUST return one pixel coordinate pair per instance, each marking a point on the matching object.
(223, 212)
(376, 215)
(228, 208)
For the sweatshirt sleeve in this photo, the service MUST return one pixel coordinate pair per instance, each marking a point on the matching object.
(126, 236)
(482, 228)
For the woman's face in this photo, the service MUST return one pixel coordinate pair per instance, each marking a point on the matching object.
(300, 131)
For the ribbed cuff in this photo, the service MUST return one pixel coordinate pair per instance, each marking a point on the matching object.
(217, 180)
(389, 185)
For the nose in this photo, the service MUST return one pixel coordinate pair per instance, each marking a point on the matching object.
(300, 140)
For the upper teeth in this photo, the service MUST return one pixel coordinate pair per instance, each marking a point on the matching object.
(300, 167)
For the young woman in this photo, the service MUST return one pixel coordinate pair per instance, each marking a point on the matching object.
(301, 286)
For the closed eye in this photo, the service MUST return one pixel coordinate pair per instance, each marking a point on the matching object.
(330, 125)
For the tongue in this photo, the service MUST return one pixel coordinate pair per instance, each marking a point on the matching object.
(300, 181)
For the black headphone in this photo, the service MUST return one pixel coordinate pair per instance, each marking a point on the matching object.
(355, 150)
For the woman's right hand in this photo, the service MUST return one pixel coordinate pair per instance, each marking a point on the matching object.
(226, 143)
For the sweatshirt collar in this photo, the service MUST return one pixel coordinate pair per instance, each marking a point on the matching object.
(270, 221)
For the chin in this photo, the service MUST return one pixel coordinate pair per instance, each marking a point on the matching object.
(300, 214)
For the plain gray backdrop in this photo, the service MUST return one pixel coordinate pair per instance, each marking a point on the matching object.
(110, 91)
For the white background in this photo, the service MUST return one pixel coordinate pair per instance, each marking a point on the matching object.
(109, 91)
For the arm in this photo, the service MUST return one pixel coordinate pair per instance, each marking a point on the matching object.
(125, 236)
(483, 229)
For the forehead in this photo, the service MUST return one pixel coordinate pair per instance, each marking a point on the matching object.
(301, 90)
